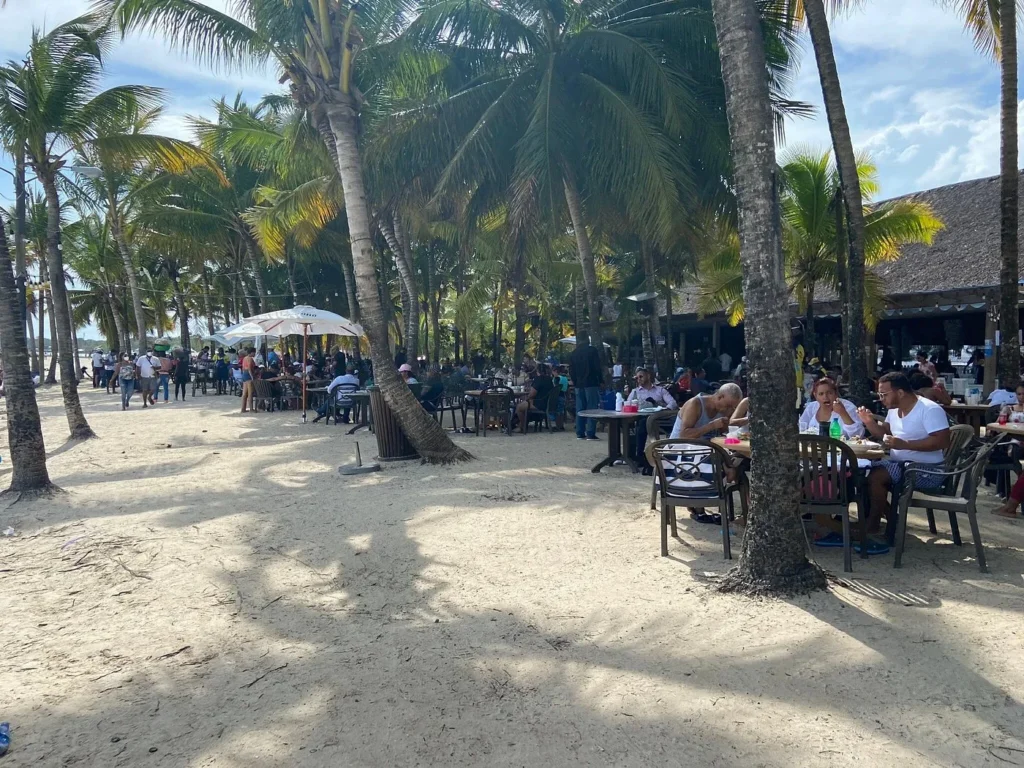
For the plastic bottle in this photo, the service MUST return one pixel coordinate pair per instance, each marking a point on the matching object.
(835, 429)
(5, 738)
(619, 402)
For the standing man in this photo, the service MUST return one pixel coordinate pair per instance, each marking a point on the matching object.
(585, 371)
(97, 368)
(725, 361)
(147, 369)
(479, 361)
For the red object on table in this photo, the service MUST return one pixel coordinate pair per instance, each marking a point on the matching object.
(1003, 418)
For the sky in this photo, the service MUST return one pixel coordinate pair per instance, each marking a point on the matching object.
(919, 98)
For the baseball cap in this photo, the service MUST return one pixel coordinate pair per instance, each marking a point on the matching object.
(405, 367)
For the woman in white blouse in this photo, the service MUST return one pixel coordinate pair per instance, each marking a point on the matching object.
(827, 403)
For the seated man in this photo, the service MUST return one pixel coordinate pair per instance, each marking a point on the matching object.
(915, 430)
(707, 416)
(340, 389)
(925, 387)
(537, 400)
(647, 394)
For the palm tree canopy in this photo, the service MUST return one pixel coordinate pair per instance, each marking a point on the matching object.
(814, 253)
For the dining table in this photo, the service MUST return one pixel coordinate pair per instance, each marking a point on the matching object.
(971, 415)
(361, 411)
(499, 393)
(867, 450)
(1010, 428)
(620, 428)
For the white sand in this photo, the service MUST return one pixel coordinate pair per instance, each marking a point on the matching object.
(211, 588)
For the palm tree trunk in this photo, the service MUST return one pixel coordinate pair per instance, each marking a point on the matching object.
(520, 308)
(426, 434)
(400, 248)
(1008, 361)
(669, 367)
(247, 292)
(129, 271)
(24, 430)
(115, 311)
(810, 337)
(41, 310)
(51, 373)
(545, 339)
(34, 359)
(579, 227)
(846, 163)
(20, 264)
(179, 300)
(645, 340)
(290, 264)
(257, 273)
(652, 287)
(59, 300)
(74, 338)
(208, 305)
(772, 557)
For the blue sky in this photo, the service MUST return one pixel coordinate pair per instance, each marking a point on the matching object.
(920, 99)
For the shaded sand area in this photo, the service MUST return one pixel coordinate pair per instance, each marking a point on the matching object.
(210, 592)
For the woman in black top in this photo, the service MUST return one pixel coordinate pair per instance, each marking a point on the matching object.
(540, 392)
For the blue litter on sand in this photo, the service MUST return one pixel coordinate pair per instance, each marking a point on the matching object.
(874, 548)
(5, 738)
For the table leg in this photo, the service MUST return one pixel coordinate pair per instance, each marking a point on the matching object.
(614, 450)
(625, 452)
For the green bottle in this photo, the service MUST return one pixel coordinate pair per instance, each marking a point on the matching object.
(835, 429)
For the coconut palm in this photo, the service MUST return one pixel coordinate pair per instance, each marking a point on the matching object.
(24, 432)
(90, 249)
(773, 554)
(813, 248)
(331, 56)
(127, 154)
(994, 26)
(51, 102)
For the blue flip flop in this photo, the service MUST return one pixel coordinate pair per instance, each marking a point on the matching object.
(834, 539)
(874, 547)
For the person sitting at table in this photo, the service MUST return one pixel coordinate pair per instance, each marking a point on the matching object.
(340, 389)
(647, 394)
(825, 404)
(916, 431)
(707, 416)
(537, 399)
(1004, 395)
(405, 371)
(741, 416)
(698, 382)
(925, 366)
(433, 390)
(925, 387)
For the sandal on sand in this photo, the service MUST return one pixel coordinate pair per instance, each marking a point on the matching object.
(833, 539)
(874, 547)
(707, 518)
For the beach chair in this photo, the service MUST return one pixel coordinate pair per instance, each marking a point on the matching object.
(826, 485)
(958, 496)
(691, 473)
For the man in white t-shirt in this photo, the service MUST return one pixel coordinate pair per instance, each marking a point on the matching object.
(148, 367)
(725, 359)
(97, 368)
(915, 430)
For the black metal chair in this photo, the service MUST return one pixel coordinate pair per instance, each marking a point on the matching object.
(542, 417)
(826, 486)
(691, 473)
(963, 479)
(494, 406)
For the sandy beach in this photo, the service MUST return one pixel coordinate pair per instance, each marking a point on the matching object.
(210, 592)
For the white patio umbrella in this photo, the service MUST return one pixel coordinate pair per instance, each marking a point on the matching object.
(297, 321)
(572, 340)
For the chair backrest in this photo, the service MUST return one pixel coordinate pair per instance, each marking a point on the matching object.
(661, 423)
(689, 469)
(261, 388)
(343, 390)
(960, 436)
(825, 464)
(552, 404)
(976, 466)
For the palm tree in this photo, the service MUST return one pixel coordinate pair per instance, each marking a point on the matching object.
(773, 556)
(91, 251)
(591, 105)
(122, 143)
(839, 127)
(24, 431)
(994, 26)
(51, 103)
(331, 56)
(813, 246)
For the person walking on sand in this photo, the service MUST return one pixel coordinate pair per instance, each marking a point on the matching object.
(248, 373)
(180, 373)
(166, 368)
(148, 368)
(126, 378)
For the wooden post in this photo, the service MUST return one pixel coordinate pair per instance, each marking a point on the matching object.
(991, 310)
(305, 329)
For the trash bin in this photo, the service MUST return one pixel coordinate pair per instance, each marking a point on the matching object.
(392, 444)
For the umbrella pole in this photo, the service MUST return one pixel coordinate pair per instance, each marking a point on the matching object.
(305, 329)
